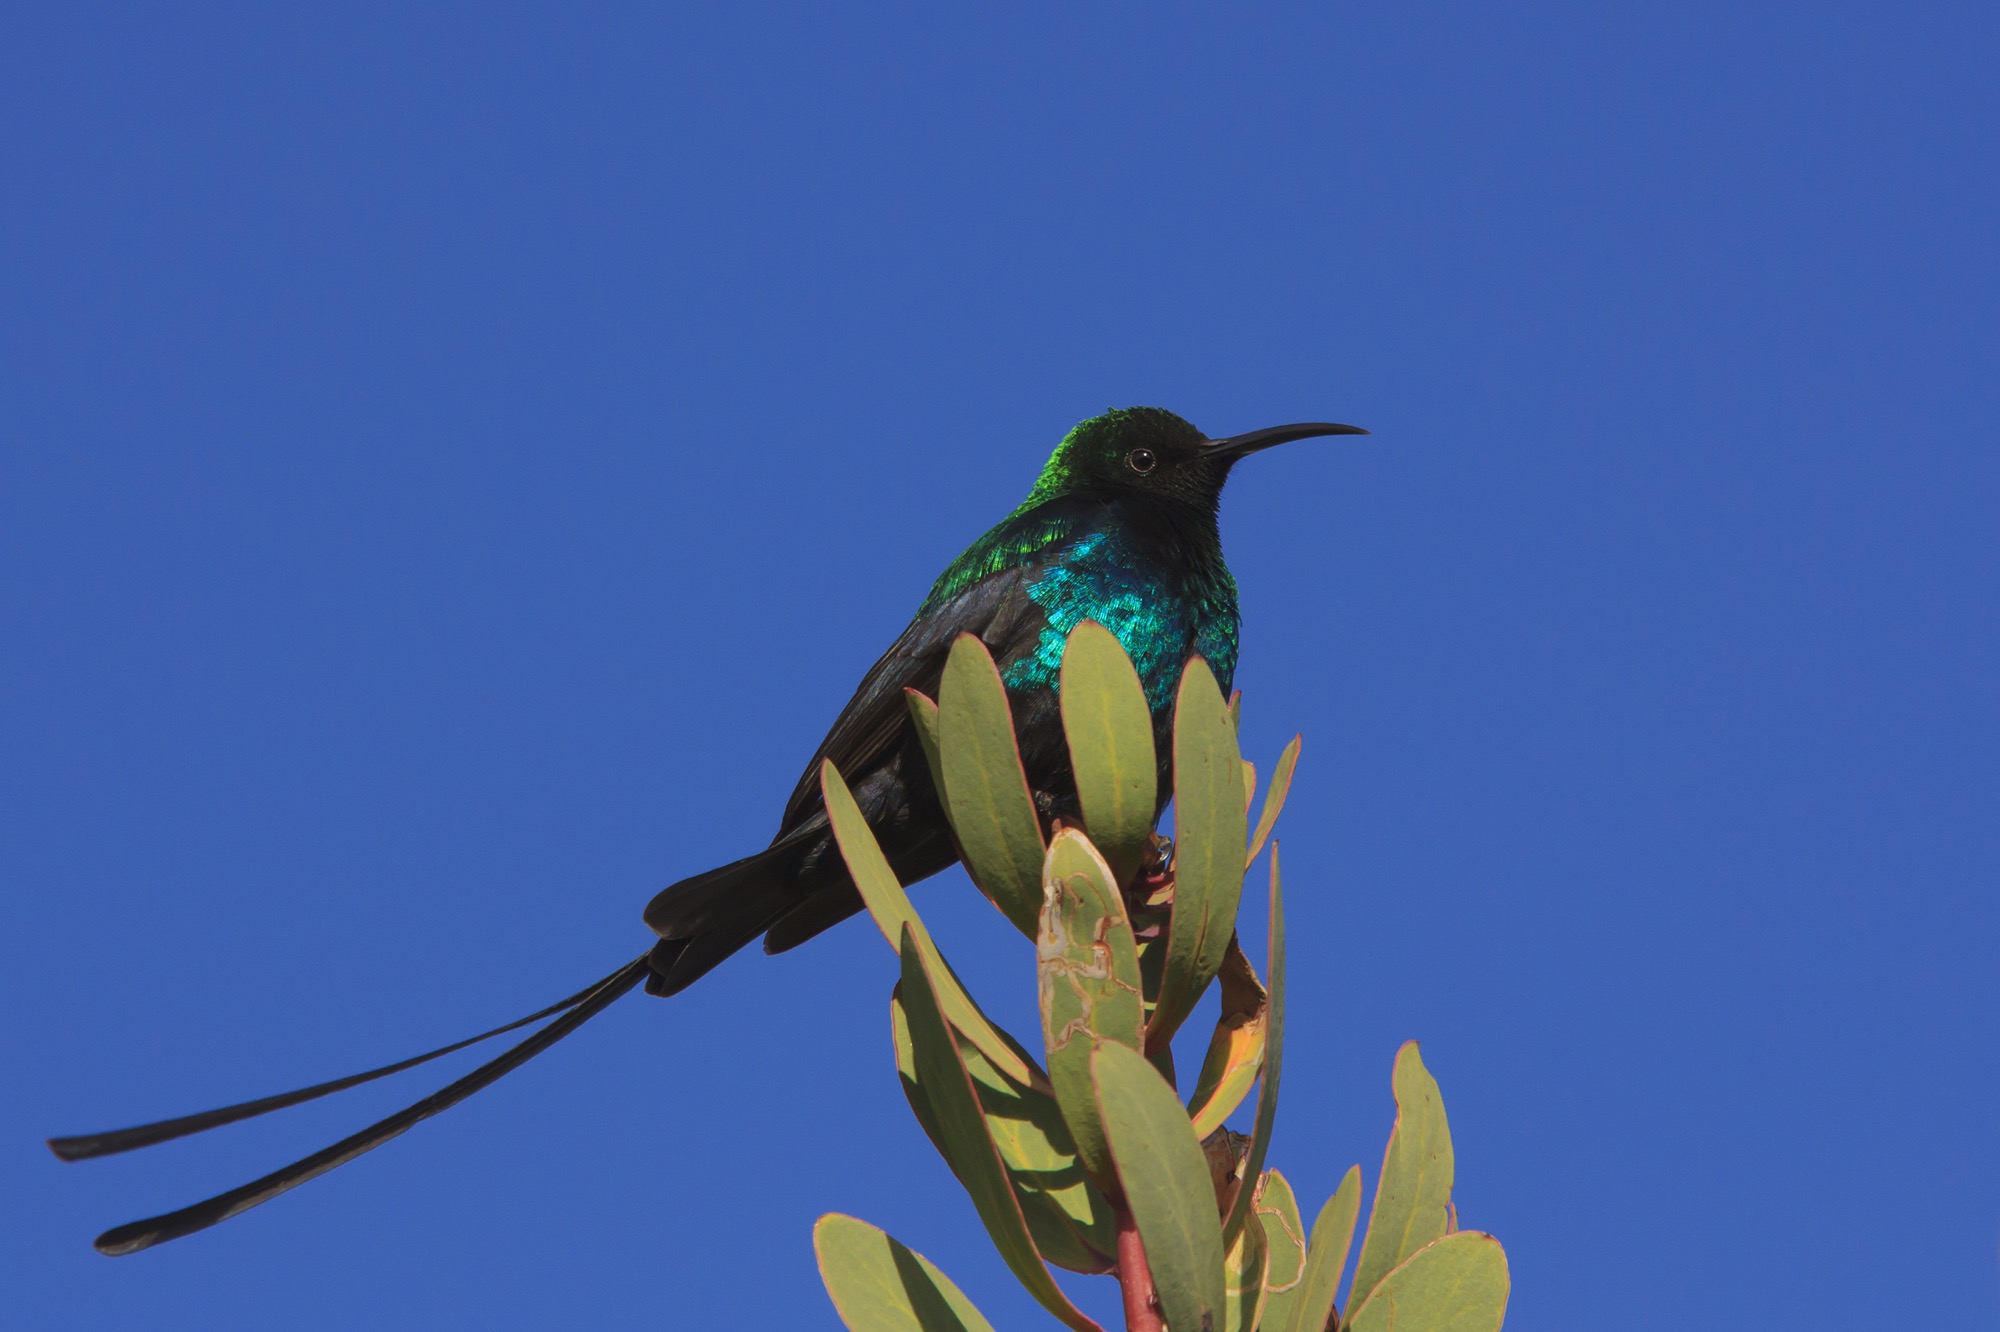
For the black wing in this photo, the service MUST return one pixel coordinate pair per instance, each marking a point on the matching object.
(996, 608)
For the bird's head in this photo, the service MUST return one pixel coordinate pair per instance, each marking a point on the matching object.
(1148, 452)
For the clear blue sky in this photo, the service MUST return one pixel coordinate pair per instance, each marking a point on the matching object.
(454, 464)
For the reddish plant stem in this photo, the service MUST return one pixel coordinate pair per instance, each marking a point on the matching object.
(1135, 1280)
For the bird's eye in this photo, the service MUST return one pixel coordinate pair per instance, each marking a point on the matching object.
(1141, 461)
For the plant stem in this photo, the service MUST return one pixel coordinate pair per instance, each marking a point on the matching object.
(1135, 1280)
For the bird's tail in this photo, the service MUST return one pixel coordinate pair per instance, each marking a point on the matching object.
(576, 1010)
(704, 919)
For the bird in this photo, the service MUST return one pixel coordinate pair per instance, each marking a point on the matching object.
(1121, 527)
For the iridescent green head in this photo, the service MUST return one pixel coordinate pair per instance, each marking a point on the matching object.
(1148, 452)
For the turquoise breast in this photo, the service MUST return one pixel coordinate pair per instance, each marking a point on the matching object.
(1158, 620)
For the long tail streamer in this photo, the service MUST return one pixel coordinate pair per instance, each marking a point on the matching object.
(84, 1146)
(576, 1010)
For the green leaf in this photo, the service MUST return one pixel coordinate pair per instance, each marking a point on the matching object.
(1413, 1197)
(1089, 986)
(1274, 1049)
(1210, 831)
(1332, 1236)
(1243, 1276)
(985, 790)
(961, 1124)
(890, 907)
(1070, 1220)
(1236, 1050)
(1454, 1284)
(1166, 1183)
(1277, 1213)
(877, 1285)
(924, 714)
(1110, 733)
(1274, 799)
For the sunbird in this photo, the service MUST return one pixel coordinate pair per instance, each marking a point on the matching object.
(1119, 528)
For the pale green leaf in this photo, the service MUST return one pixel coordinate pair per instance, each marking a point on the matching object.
(1458, 1283)
(1070, 1220)
(1210, 832)
(1274, 1049)
(1274, 799)
(1167, 1185)
(1332, 1237)
(1277, 1213)
(890, 907)
(1110, 731)
(878, 1285)
(1243, 1274)
(961, 1124)
(1413, 1197)
(924, 715)
(1089, 985)
(985, 791)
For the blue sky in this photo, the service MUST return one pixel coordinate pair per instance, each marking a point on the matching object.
(455, 462)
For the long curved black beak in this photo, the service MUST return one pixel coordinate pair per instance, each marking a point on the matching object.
(1238, 446)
